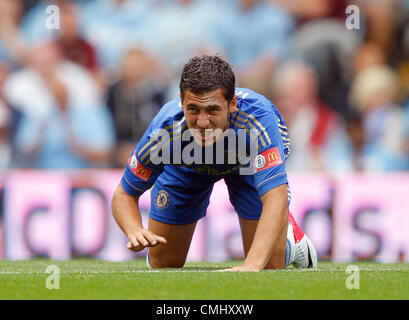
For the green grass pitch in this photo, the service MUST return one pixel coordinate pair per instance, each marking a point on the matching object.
(94, 279)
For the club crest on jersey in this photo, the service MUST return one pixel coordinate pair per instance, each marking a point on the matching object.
(134, 162)
(138, 169)
(260, 161)
(162, 200)
(268, 159)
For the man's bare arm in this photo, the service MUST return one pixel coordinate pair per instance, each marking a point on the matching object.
(126, 211)
(268, 247)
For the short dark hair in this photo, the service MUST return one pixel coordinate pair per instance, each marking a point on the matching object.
(208, 73)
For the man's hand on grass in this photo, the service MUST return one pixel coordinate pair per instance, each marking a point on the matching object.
(242, 269)
(143, 239)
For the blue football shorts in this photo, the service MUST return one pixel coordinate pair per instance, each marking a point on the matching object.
(181, 197)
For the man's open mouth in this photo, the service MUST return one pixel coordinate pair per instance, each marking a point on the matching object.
(204, 135)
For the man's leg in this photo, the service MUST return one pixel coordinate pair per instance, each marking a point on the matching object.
(178, 200)
(174, 253)
(244, 197)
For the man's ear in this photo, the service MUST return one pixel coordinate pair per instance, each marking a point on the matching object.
(233, 104)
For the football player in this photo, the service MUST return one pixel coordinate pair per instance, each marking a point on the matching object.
(212, 131)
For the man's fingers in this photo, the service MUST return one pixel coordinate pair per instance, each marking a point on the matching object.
(240, 269)
(154, 239)
(227, 270)
(145, 239)
(134, 246)
(161, 239)
(142, 240)
(133, 243)
(151, 238)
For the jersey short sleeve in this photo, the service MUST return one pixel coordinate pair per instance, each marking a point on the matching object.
(270, 164)
(273, 140)
(141, 172)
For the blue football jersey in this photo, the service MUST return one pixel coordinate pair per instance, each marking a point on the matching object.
(256, 120)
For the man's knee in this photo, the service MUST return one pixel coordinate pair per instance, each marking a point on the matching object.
(274, 266)
(157, 261)
(162, 263)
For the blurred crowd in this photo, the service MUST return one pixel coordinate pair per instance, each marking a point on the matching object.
(80, 81)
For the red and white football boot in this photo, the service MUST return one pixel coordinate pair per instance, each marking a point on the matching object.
(300, 251)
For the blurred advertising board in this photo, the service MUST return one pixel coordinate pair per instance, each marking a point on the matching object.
(67, 214)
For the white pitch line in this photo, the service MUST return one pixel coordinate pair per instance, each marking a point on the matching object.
(190, 271)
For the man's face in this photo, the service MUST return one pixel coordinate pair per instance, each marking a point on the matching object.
(207, 115)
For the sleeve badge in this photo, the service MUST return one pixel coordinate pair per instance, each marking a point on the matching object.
(138, 169)
(268, 159)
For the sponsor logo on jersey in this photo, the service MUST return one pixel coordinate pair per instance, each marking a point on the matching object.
(268, 159)
(162, 199)
(138, 169)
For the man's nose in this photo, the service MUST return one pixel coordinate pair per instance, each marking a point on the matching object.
(203, 121)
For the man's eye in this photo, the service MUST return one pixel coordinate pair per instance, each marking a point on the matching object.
(213, 110)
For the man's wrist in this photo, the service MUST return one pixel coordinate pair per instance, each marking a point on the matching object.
(133, 231)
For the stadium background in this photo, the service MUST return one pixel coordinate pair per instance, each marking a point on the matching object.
(74, 101)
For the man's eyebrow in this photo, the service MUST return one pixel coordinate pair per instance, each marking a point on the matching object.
(212, 106)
